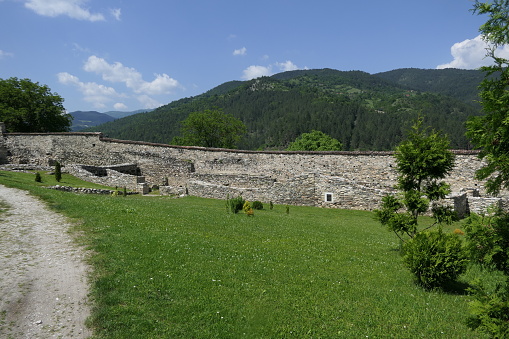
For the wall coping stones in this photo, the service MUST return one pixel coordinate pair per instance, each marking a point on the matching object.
(209, 149)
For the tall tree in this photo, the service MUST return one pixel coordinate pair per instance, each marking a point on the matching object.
(210, 128)
(490, 132)
(26, 106)
(488, 238)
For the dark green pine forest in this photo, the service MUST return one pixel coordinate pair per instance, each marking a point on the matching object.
(361, 110)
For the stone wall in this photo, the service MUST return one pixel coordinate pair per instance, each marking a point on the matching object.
(105, 175)
(353, 180)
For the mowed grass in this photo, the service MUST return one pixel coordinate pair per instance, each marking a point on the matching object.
(185, 268)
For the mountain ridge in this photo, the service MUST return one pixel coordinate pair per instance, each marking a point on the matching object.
(364, 111)
(87, 119)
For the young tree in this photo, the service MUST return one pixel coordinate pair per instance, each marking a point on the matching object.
(315, 141)
(29, 107)
(210, 128)
(488, 238)
(423, 159)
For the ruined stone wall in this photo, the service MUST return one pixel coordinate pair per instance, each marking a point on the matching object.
(355, 180)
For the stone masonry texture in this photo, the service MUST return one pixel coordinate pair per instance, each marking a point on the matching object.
(352, 180)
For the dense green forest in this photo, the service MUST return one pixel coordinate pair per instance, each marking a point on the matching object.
(458, 83)
(362, 111)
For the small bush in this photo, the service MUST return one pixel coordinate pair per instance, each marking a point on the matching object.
(257, 205)
(271, 205)
(58, 172)
(247, 206)
(490, 310)
(435, 258)
(38, 177)
(235, 204)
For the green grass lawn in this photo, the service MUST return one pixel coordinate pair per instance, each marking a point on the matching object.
(185, 268)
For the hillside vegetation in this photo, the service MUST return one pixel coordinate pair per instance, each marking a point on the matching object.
(362, 111)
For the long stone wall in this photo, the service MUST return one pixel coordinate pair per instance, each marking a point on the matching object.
(354, 180)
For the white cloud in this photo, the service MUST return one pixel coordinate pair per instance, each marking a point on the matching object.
(148, 102)
(71, 8)
(287, 66)
(120, 106)
(256, 71)
(162, 84)
(116, 72)
(95, 93)
(471, 54)
(4, 54)
(242, 51)
(117, 13)
(78, 48)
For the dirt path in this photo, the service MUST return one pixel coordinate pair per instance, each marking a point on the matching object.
(43, 287)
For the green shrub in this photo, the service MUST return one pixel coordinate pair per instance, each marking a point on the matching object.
(257, 205)
(38, 177)
(490, 310)
(488, 241)
(58, 172)
(246, 207)
(235, 204)
(271, 205)
(435, 258)
(488, 246)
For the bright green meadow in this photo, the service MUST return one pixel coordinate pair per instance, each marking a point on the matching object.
(186, 268)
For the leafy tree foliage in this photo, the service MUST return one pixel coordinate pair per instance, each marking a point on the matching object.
(423, 159)
(490, 132)
(211, 128)
(26, 106)
(489, 237)
(315, 141)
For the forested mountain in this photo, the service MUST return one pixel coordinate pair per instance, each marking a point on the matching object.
(362, 111)
(458, 83)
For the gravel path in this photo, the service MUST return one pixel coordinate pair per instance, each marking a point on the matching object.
(43, 286)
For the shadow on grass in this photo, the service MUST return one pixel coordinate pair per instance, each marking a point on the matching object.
(457, 287)
(452, 287)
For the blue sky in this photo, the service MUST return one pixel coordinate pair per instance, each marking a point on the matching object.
(125, 55)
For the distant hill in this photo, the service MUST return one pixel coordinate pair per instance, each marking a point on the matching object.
(82, 120)
(363, 111)
(87, 119)
(120, 114)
